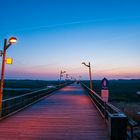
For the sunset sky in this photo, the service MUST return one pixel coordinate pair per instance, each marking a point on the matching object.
(55, 35)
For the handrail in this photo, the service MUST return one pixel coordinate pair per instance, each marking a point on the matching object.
(103, 105)
(39, 90)
(106, 109)
(14, 104)
(25, 94)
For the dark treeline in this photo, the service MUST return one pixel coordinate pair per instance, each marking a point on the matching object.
(119, 90)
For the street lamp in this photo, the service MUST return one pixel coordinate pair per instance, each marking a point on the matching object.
(12, 40)
(89, 73)
(67, 76)
(61, 74)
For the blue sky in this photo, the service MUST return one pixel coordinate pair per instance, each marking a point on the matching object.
(56, 35)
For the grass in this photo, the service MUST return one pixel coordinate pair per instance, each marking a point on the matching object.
(32, 84)
(122, 94)
(25, 86)
(119, 90)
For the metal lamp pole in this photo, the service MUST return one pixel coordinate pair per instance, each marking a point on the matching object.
(89, 73)
(6, 46)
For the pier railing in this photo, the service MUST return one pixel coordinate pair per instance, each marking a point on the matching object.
(14, 104)
(120, 126)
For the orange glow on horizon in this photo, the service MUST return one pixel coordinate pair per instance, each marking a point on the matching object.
(54, 73)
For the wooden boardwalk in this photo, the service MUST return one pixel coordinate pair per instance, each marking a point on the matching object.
(66, 115)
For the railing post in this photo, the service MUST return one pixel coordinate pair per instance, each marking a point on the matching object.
(118, 126)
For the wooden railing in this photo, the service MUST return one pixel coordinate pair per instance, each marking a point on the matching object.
(111, 114)
(14, 104)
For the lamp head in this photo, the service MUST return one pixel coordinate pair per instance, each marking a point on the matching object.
(12, 40)
(83, 63)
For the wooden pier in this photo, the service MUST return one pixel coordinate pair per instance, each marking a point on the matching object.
(68, 114)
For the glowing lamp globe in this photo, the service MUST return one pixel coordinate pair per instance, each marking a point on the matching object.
(12, 40)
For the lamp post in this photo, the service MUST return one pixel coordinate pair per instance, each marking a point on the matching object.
(61, 74)
(67, 76)
(89, 73)
(12, 40)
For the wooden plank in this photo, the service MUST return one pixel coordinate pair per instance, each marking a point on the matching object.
(68, 114)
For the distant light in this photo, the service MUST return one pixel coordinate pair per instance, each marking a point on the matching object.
(9, 61)
(12, 40)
